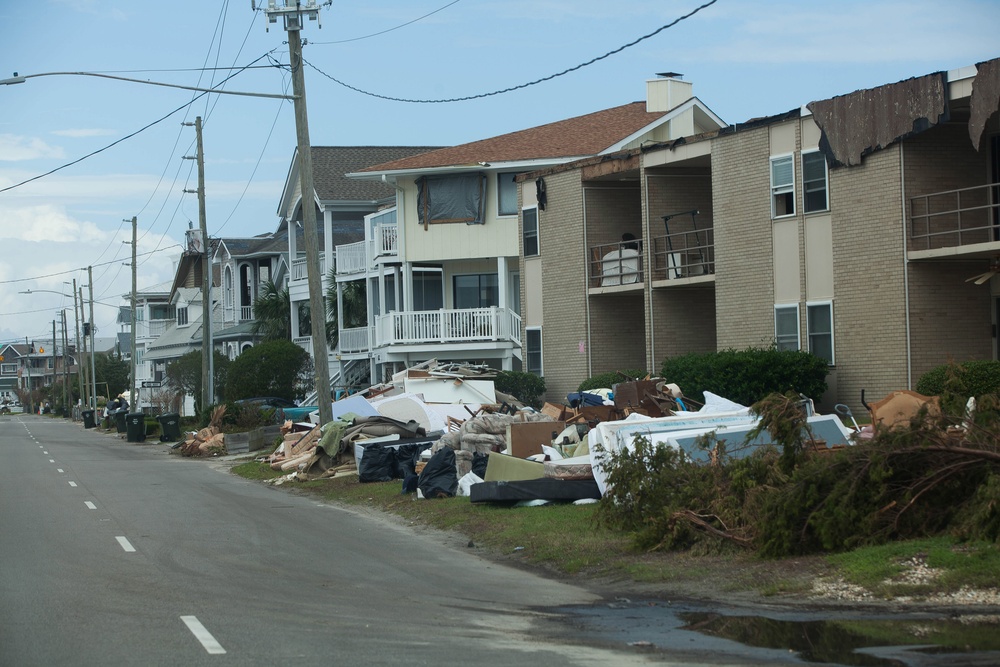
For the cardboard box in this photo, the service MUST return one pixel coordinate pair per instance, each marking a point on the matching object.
(526, 438)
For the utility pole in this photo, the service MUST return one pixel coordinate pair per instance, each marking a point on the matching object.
(55, 365)
(79, 365)
(65, 358)
(84, 371)
(207, 356)
(131, 393)
(93, 366)
(293, 13)
(31, 398)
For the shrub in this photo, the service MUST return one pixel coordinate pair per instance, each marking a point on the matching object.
(970, 378)
(747, 376)
(610, 379)
(274, 368)
(525, 387)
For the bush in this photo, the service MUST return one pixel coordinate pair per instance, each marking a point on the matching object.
(970, 378)
(610, 379)
(747, 376)
(274, 368)
(525, 387)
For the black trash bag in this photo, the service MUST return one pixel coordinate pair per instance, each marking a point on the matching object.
(410, 483)
(406, 459)
(377, 464)
(479, 462)
(439, 478)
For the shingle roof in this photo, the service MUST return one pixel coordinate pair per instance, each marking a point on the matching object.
(584, 135)
(330, 163)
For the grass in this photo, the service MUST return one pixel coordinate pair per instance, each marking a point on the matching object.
(567, 539)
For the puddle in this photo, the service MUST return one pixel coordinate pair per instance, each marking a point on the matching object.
(794, 637)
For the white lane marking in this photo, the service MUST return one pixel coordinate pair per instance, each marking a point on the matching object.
(203, 635)
(126, 545)
(90, 505)
(60, 470)
(72, 484)
(52, 460)
(44, 452)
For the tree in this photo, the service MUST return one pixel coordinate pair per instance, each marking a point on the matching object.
(184, 375)
(274, 368)
(113, 372)
(272, 310)
(355, 302)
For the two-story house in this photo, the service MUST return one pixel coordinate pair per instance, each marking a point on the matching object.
(441, 268)
(862, 228)
(35, 365)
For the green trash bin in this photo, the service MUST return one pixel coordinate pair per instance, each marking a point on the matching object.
(119, 418)
(88, 418)
(135, 427)
(170, 427)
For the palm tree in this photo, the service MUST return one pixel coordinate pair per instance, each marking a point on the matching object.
(355, 306)
(272, 312)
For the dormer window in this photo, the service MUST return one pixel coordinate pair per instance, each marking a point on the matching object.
(182, 316)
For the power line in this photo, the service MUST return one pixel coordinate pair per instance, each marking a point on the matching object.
(382, 32)
(522, 85)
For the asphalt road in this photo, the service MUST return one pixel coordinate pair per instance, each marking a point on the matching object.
(119, 554)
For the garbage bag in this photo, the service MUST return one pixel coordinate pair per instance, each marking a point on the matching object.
(377, 464)
(439, 478)
(406, 459)
(479, 462)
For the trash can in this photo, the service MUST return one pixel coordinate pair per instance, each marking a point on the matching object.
(170, 427)
(119, 418)
(135, 427)
(88, 418)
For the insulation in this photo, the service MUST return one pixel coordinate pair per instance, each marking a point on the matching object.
(865, 121)
(985, 98)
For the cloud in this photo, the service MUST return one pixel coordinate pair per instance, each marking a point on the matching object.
(15, 148)
(83, 133)
(47, 223)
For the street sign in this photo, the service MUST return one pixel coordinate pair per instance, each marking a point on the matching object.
(148, 384)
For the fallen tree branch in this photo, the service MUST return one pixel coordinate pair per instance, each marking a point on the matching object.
(698, 521)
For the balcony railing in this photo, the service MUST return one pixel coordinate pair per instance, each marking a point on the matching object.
(299, 270)
(386, 240)
(354, 340)
(305, 342)
(157, 327)
(616, 264)
(442, 326)
(352, 258)
(246, 313)
(955, 218)
(684, 255)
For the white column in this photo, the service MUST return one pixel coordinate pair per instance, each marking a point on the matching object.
(502, 279)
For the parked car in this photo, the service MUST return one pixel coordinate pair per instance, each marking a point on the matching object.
(284, 409)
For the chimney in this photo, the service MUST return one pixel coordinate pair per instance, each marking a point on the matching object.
(666, 92)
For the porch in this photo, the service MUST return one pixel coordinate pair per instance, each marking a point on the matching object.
(447, 326)
(962, 222)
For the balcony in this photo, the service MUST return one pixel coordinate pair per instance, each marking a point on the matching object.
(299, 267)
(616, 265)
(352, 258)
(685, 257)
(386, 240)
(354, 340)
(157, 328)
(448, 326)
(305, 342)
(967, 219)
(246, 313)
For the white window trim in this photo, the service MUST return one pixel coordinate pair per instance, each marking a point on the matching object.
(541, 351)
(826, 182)
(538, 236)
(833, 341)
(496, 181)
(187, 315)
(798, 328)
(770, 176)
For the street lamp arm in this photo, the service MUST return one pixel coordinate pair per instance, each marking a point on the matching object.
(23, 78)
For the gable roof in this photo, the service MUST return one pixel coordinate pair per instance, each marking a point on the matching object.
(589, 134)
(330, 163)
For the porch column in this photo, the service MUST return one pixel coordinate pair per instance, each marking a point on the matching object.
(407, 286)
(502, 283)
(328, 239)
(397, 287)
(340, 315)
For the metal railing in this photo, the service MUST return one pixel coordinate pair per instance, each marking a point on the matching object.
(440, 326)
(614, 264)
(684, 254)
(954, 218)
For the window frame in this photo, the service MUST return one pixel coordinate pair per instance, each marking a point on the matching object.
(533, 235)
(828, 304)
(181, 313)
(529, 353)
(500, 211)
(479, 289)
(798, 326)
(805, 184)
(785, 189)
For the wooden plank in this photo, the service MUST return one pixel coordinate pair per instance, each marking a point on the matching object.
(526, 438)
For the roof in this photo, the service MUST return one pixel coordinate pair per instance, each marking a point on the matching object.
(271, 243)
(590, 134)
(330, 163)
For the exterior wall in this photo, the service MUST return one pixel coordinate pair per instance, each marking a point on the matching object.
(744, 286)
(617, 333)
(497, 238)
(563, 249)
(611, 211)
(683, 321)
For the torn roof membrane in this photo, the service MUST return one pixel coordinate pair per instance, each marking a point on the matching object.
(985, 98)
(865, 121)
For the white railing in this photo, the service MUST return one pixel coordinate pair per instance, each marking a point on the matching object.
(305, 342)
(300, 270)
(158, 327)
(354, 340)
(474, 324)
(246, 313)
(386, 240)
(352, 258)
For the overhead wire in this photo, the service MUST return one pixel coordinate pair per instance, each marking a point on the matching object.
(521, 86)
(382, 32)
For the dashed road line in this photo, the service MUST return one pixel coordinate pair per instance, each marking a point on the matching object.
(126, 545)
(73, 484)
(203, 635)
(90, 505)
(60, 470)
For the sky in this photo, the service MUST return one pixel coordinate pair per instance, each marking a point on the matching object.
(81, 155)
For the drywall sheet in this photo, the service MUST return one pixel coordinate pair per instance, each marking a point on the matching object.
(451, 390)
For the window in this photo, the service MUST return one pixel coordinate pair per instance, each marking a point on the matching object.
(140, 313)
(139, 354)
(8, 369)
(814, 182)
(786, 327)
(782, 186)
(507, 193)
(819, 324)
(452, 198)
(428, 290)
(529, 232)
(182, 316)
(533, 350)
(228, 296)
(476, 291)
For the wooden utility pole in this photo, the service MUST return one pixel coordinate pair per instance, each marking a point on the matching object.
(207, 360)
(93, 369)
(84, 371)
(79, 362)
(55, 364)
(131, 393)
(294, 13)
(65, 359)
